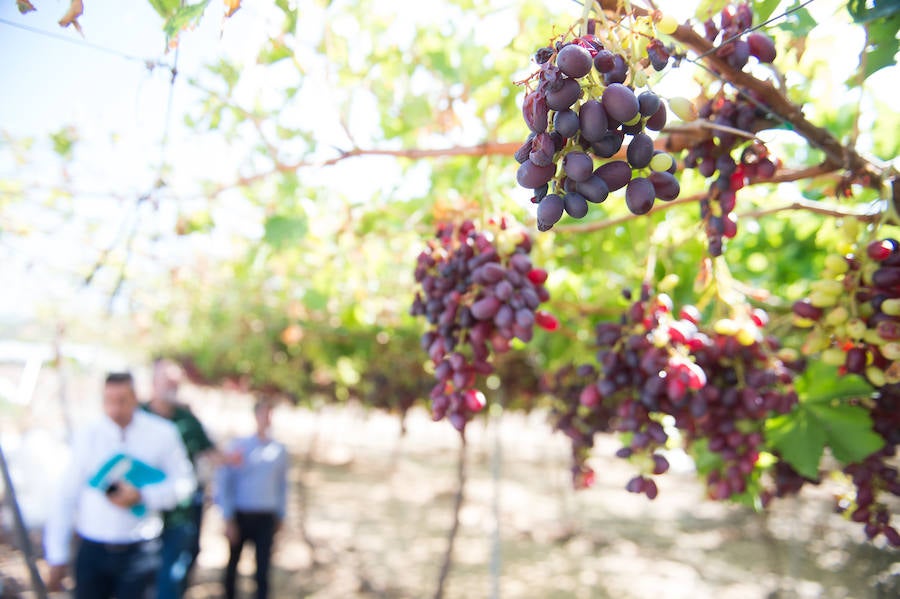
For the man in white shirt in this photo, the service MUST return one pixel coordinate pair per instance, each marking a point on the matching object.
(115, 511)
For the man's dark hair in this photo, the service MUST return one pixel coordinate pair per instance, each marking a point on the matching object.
(118, 378)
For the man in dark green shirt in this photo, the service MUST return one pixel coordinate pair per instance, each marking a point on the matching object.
(181, 526)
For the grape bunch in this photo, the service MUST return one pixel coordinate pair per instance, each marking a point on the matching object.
(579, 114)
(661, 371)
(714, 159)
(577, 413)
(733, 46)
(478, 292)
(728, 113)
(853, 313)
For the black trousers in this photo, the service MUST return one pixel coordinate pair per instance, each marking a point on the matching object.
(104, 571)
(258, 527)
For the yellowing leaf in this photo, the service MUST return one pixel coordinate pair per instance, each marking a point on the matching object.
(231, 7)
(76, 9)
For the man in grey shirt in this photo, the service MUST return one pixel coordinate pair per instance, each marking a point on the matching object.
(252, 495)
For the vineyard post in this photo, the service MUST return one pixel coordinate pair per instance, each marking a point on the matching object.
(461, 465)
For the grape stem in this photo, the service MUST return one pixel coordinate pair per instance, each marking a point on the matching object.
(705, 124)
(783, 177)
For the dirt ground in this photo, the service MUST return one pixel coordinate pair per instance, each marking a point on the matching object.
(377, 509)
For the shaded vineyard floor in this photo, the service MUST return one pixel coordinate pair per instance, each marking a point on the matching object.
(378, 509)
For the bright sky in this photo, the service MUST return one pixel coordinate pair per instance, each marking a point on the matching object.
(119, 109)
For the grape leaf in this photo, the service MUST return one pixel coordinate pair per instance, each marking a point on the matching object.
(799, 439)
(848, 431)
(798, 23)
(861, 14)
(273, 51)
(76, 9)
(231, 7)
(883, 44)
(165, 8)
(281, 230)
(183, 18)
(24, 6)
(821, 383)
(763, 9)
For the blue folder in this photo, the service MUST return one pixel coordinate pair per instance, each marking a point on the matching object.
(132, 470)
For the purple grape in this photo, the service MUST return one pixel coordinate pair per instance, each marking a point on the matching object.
(559, 141)
(640, 150)
(658, 120)
(563, 97)
(543, 55)
(575, 205)
(639, 195)
(533, 176)
(609, 144)
(592, 119)
(738, 58)
(761, 46)
(619, 72)
(549, 211)
(594, 189)
(574, 61)
(523, 151)
(542, 150)
(620, 102)
(648, 103)
(485, 308)
(665, 185)
(615, 174)
(504, 317)
(535, 111)
(658, 55)
(578, 166)
(604, 61)
(566, 123)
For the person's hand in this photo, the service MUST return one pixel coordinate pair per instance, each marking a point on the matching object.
(55, 578)
(125, 495)
(231, 531)
(232, 458)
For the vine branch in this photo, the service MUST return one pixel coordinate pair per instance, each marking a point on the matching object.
(488, 148)
(776, 102)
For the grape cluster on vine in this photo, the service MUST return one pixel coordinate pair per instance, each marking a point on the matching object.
(853, 313)
(478, 292)
(731, 157)
(661, 371)
(735, 44)
(579, 115)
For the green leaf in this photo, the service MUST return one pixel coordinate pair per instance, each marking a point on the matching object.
(273, 51)
(799, 439)
(883, 44)
(282, 230)
(848, 431)
(861, 14)
(166, 8)
(186, 16)
(763, 9)
(799, 23)
(821, 383)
